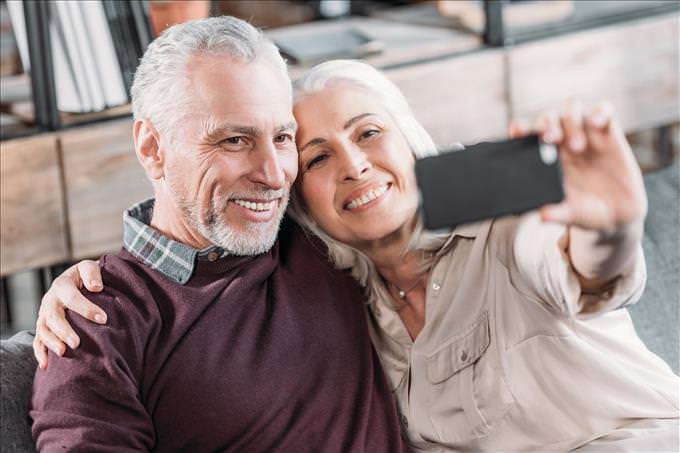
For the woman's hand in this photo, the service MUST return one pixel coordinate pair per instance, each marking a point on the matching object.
(605, 201)
(52, 329)
(603, 184)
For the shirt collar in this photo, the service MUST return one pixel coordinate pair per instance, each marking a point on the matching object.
(468, 230)
(173, 259)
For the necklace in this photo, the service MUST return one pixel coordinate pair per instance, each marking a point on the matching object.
(403, 292)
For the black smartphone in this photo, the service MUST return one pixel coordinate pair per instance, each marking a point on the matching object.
(489, 179)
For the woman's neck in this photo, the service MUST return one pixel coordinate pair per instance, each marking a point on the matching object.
(392, 259)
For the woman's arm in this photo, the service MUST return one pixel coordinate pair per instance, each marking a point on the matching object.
(605, 203)
(52, 329)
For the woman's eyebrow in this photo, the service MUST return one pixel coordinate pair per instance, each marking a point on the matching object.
(312, 142)
(355, 119)
(347, 125)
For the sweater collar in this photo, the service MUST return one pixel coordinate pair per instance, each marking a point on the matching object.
(173, 259)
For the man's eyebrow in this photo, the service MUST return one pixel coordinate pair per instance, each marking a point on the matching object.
(216, 132)
(348, 124)
(292, 125)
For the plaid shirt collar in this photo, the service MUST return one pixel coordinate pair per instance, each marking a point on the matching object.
(171, 258)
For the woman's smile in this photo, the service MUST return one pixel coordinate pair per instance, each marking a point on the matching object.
(366, 198)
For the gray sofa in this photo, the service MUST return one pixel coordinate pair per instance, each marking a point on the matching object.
(656, 316)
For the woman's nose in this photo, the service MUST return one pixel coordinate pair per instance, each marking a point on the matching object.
(355, 164)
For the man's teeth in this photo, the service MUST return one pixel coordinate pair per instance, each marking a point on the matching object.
(368, 196)
(256, 206)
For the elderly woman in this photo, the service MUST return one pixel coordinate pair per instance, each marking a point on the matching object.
(502, 335)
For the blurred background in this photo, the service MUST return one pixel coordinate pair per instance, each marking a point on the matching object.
(68, 169)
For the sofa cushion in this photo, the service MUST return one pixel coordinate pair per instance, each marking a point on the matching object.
(657, 314)
(17, 366)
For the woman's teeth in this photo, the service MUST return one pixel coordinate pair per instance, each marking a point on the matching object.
(368, 196)
(256, 206)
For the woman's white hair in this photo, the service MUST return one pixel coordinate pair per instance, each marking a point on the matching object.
(158, 91)
(365, 77)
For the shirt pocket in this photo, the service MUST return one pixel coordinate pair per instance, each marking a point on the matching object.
(469, 396)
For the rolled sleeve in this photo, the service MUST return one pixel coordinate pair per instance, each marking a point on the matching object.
(542, 262)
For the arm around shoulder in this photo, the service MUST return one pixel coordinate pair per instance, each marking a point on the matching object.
(90, 399)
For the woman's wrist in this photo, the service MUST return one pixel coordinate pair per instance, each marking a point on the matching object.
(599, 256)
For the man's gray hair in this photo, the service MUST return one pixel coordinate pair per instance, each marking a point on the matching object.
(158, 91)
(386, 93)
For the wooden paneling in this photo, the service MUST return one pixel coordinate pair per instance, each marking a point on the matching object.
(103, 178)
(459, 99)
(633, 65)
(32, 218)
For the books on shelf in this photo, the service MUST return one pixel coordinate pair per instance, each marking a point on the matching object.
(94, 46)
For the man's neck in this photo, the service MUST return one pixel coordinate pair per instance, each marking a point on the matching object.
(169, 220)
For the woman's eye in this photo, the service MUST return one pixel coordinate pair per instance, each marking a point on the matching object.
(316, 160)
(368, 134)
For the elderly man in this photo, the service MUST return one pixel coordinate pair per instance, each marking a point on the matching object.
(219, 336)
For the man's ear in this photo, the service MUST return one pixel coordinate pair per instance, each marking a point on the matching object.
(148, 148)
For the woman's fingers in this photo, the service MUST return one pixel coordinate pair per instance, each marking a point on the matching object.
(572, 124)
(558, 213)
(600, 116)
(40, 353)
(74, 300)
(518, 128)
(57, 324)
(90, 275)
(547, 125)
(46, 337)
(65, 292)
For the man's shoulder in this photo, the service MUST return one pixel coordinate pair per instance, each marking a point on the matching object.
(129, 285)
(293, 238)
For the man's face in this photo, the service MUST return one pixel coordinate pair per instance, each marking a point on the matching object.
(233, 160)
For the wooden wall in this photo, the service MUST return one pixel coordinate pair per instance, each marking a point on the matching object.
(32, 220)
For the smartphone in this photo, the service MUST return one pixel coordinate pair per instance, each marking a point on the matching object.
(489, 179)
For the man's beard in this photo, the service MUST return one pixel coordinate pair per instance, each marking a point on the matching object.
(254, 238)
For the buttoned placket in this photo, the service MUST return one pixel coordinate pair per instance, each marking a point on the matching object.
(416, 358)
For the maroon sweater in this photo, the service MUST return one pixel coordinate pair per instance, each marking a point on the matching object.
(266, 353)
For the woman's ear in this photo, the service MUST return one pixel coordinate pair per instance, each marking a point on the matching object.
(148, 148)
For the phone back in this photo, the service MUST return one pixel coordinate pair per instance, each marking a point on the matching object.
(486, 180)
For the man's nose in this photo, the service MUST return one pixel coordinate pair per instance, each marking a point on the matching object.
(267, 168)
(355, 164)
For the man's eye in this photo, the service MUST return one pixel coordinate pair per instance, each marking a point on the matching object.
(316, 160)
(233, 141)
(283, 138)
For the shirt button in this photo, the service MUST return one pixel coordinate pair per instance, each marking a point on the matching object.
(463, 356)
(212, 256)
(436, 287)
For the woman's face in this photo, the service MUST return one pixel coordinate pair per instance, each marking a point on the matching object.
(356, 174)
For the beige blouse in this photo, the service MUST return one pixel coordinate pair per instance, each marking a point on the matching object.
(512, 356)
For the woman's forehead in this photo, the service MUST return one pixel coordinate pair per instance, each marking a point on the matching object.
(339, 101)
